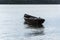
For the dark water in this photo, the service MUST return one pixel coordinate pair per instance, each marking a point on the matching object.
(12, 25)
(29, 1)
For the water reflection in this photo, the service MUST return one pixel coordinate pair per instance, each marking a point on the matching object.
(35, 30)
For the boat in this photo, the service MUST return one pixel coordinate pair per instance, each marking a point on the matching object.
(33, 20)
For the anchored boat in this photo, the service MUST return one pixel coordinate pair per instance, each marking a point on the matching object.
(33, 20)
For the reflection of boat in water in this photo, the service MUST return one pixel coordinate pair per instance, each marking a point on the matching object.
(34, 30)
(33, 20)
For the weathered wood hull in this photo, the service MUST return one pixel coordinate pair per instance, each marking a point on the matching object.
(33, 20)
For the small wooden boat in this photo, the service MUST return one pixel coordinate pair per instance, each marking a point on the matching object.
(33, 20)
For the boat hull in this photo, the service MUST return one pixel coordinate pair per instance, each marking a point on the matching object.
(33, 20)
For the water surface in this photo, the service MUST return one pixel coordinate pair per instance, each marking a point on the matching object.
(12, 25)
